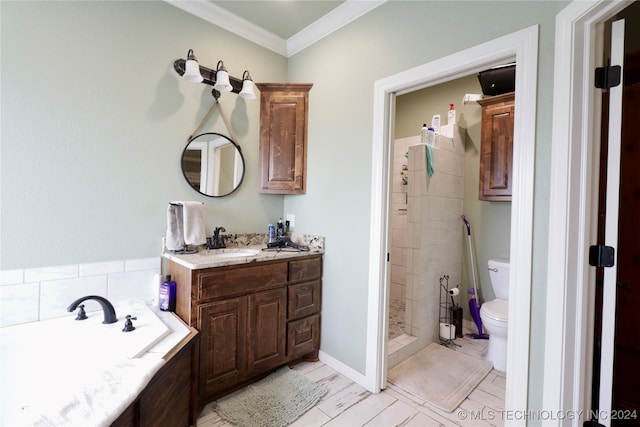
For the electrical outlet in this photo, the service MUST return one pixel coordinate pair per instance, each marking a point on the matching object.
(292, 220)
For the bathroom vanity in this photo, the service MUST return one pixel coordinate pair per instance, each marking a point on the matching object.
(254, 312)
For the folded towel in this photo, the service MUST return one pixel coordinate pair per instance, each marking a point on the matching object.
(193, 217)
(429, 160)
(174, 239)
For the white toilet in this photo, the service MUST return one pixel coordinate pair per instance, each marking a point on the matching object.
(495, 314)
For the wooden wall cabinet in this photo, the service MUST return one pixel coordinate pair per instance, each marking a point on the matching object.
(283, 137)
(252, 318)
(496, 153)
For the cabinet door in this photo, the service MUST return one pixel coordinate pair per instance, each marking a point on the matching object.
(223, 330)
(266, 340)
(283, 138)
(496, 148)
(303, 337)
(304, 299)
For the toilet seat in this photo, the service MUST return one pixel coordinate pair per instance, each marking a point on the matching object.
(497, 310)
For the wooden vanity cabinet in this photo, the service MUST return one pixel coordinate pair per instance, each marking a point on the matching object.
(252, 318)
(283, 137)
(496, 152)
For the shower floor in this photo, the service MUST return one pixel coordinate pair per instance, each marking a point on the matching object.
(397, 312)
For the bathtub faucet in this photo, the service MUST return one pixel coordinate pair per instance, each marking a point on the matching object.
(107, 307)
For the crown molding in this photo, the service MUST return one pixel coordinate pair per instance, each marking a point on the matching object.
(337, 18)
(327, 24)
(347, 12)
(221, 17)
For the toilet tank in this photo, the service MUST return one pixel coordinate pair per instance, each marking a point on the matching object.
(499, 276)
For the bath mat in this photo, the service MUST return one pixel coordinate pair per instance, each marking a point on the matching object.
(440, 376)
(275, 401)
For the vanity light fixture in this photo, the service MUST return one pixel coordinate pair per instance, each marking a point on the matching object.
(247, 86)
(222, 78)
(218, 78)
(192, 69)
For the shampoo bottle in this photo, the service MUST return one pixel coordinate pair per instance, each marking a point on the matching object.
(451, 116)
(431, 136)
(168, 294)
(423, 134)
(435, 123)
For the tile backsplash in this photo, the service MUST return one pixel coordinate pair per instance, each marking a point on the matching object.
(34, 294)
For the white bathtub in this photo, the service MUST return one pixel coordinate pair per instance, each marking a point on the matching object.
(68, 372)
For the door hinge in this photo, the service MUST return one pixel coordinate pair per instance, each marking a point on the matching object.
(601, 256)
(388, 256)
(608, 77)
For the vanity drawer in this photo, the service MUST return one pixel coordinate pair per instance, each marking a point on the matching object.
(303, 336)
(219, 282)
(303, 299)
(305, 269)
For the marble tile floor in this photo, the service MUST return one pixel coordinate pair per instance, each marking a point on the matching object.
(350, 405)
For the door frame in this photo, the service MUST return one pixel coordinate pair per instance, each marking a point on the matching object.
(521, 46)
(573, 207)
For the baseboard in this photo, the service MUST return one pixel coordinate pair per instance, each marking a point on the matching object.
(343, 369)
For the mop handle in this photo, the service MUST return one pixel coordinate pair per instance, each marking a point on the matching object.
(473, 262)
(464, 219)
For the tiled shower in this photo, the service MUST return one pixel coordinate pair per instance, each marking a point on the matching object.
(426, 238)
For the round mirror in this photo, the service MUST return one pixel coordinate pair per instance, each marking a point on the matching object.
(213, 164)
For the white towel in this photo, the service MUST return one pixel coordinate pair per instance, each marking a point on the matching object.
(174, 240)
(193, 217)
(185, 225)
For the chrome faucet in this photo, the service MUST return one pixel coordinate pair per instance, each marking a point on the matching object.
(218, 241)
(107, 307)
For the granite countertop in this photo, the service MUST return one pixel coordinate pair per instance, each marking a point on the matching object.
(244, 250)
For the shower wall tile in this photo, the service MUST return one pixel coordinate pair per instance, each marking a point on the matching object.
(398, 273)
(440, 208)
(397, 256)
(399, 236)
(398, 200)
(433, 232)
(448, 163)
(445, 186)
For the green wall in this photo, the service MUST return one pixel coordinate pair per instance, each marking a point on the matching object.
(94, 121)
(490, 221)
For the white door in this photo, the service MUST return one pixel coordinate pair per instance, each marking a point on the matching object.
(611, 228)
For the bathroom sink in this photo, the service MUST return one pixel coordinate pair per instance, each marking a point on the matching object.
(236, 253)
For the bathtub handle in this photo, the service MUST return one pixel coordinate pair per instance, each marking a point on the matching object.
(128, 324)
(81, 313)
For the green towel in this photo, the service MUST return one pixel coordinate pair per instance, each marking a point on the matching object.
(429, 160)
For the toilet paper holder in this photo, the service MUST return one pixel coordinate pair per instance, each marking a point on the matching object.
(448, 327)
